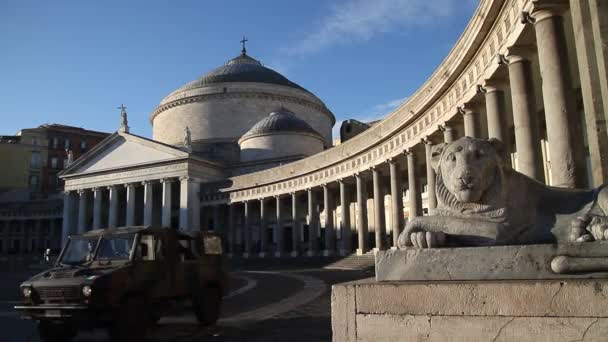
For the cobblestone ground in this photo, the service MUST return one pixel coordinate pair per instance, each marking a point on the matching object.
(263, 304)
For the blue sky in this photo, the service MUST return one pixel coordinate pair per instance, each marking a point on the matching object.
(74, 62)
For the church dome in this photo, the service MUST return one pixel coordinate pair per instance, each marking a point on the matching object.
(280, 121)
(242, 68)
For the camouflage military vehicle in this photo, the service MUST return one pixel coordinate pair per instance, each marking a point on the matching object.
(125, 279)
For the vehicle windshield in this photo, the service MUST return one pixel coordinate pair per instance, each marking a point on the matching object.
(115, 247)
(79, 250)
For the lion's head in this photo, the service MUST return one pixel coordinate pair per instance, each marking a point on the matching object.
(469, 174)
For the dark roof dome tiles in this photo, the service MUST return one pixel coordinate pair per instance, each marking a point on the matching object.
(281, 121)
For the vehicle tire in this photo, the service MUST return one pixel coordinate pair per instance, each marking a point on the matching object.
(129, 325)
(207, 305)
(55, 332)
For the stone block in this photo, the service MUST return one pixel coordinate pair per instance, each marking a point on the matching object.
(343, 307)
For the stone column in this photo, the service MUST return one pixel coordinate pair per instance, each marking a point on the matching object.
(196, 204)
(82, 211)
(313, 224)
(231, 236)
(148, 202)
(97, 202)
(68, 216)
(430, 174)
(330, 233)
(471, 121)
(378, 208)
(495, 112)
(263, 227)
(396, 201)
(345, 229)
(246, 230)
(130, 219)
(414, 189)
(166, 213)
(563, 122)
(592, 57)
(295, 235)
(361, 215)
(448, 133)
(279, 230)
(525, 120)
(113, 212)
(185, 203)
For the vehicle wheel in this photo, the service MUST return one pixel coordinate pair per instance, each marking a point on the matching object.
(55, 332)
(207, 305)
(129, 324)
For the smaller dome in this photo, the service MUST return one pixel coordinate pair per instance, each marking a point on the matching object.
(283, 121)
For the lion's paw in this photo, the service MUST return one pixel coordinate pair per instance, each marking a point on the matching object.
(424, 239)
(589, 228)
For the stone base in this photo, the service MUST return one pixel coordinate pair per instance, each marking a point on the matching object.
(294, 254)
(360, 251)
(344, 252)
(278, 254)
(311, 253)
(262, 254)
(516, 310)
(328, 253)
(246, 255)
(492, 263)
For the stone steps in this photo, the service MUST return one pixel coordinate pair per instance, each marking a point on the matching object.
(353, 262)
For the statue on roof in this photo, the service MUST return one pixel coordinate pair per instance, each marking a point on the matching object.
(70, 159)
(188, 139)
(124, 123)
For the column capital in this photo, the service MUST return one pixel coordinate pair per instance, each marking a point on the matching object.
(445, 127)
(112, 186)
(81, 191)
(543, 9)
(408, 152)
(167, 180)
(465, 109)
(67, 192)
(185, 178)
(518, 53)
(130, 185)
(391, 161)
(96, 189)
(147, 182)
(426, 140)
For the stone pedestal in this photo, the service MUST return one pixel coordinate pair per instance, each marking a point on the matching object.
(498, 310)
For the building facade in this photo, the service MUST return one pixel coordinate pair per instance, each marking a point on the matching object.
(532, 73)
(30, 192)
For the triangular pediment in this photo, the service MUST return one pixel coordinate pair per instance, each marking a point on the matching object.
(123, 150)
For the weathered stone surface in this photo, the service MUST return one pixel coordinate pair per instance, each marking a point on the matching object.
(495, 329)
(520, 310)
(483, 263)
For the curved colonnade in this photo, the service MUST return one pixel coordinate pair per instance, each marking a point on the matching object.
(489, 86)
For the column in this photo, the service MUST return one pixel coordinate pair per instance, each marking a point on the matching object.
(525, 120)
(68, 216)
(130, 221)
(113, 212)
(495, 112)
(148, 202)
(564, 132)
(414, 189)
(430, 174)
(166, 203)
(471, 121)
(330, 233)
(592, 55)
(185, 203)
(82, 211)
(295, 235)
(345, 231)
(361, 215)
(246, 230)
(448, 133)
(231, 236)
(396, 201)
(217, 226)
(97, 197)
(263, 227)
(195, 198)
(279, 230)
(313, 224)
(378, 208)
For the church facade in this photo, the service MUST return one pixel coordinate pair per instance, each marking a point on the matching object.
(246, 152)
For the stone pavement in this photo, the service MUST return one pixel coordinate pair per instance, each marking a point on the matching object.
(262, 305)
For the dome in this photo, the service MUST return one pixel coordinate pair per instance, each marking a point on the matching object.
(280, 121)
(242, 68)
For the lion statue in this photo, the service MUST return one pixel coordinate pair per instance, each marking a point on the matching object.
(481, 202)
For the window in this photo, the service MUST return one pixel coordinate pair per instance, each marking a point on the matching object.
(83, 145)
(55, 143)
(36, 161)
(54, 162)
(34, 141)
(66, 144)
(33, 182)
